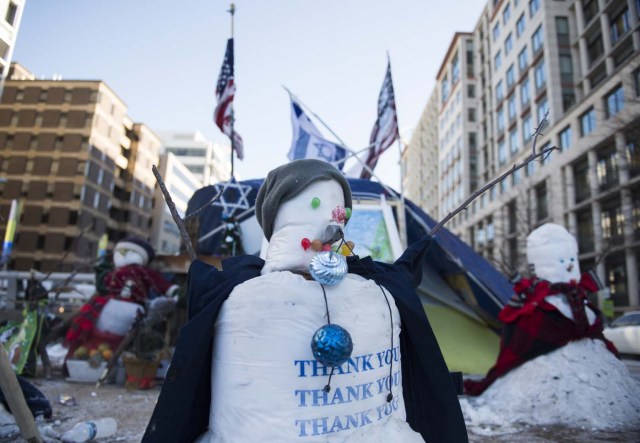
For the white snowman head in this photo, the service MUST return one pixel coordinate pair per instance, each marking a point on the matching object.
(132, 251)
(294, 207)
(552, 254)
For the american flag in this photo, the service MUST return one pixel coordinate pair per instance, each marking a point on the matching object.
(385, 131)
(225, 91)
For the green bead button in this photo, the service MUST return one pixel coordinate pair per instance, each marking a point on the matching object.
(348, 211)
(315, 202)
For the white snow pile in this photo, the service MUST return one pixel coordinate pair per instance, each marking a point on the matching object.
(581, 385)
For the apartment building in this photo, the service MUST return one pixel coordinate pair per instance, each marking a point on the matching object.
(580, 62)
(79, 164)
(209, 162)
(10, 17)
(181, 184)
(419, 161)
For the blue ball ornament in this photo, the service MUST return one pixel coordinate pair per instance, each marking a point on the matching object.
(331, 345)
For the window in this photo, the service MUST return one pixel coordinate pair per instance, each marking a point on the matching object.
(542, 109)
(523, 59)
(565, 138)
(12, 11)
(506, 14)
(527, 130)
(584, 222)
(455, 70)
(471, 91)
(589, 9)
(636, 80)
(497, 61)
(562, 30)
(445, 89)
(540, 75)
(513, 141)
(587, 122)
(632, 153)
(534, 5)
(499, 92)
(511, 107)
(566, 69)
(607, 168)
(500, 120)
(502, 155)
(520, 26)
(595, 47)
(612, 220)
(542, 211)
(524, 92)
(581, 180)
(619, 25)
(511, 77)
(508, 44)
(471, 114)
(536, 40)
(614, 101)
(496, 31)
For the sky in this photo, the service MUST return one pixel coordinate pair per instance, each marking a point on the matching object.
(163, 57)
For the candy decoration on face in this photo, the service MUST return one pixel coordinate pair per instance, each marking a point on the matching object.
(316, 245)
(348, 211)
(315, 202)
(326, 247)
(339, 215)
(305, 243)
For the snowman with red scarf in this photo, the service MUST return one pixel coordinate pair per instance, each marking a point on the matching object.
(107, 318)
(548, 310)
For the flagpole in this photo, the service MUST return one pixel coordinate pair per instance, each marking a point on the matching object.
(401, 220)
(232, 11)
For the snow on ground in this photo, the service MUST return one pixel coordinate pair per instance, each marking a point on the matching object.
(581, 385)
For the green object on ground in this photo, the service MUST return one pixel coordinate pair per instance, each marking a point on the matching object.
(466, 344)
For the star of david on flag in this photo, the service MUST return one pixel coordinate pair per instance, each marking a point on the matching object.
(308, 142)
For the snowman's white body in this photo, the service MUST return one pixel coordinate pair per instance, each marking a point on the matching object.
(265, 383)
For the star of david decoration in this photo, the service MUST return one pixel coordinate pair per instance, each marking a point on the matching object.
(322, 151)
(233, 196)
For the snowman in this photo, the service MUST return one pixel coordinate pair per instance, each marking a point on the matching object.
(108, 318)
(310, 344)
(548, 310)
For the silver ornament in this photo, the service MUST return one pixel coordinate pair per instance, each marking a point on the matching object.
(328, 268)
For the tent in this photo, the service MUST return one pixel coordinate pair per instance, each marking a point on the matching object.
(462, 293)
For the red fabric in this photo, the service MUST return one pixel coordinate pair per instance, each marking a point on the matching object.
(534, 327)
(142, 382)
(139, 279)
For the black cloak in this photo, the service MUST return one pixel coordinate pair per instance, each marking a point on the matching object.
(431, 403)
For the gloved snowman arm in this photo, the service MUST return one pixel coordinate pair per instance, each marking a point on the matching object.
(173, 292)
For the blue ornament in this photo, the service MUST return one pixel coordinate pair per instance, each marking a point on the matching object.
(328, 268)
(331, 345)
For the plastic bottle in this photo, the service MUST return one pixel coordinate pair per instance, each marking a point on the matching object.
(90, 430)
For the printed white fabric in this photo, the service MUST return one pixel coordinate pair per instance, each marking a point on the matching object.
(266, 385)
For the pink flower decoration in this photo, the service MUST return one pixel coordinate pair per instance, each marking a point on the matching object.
(339, 214)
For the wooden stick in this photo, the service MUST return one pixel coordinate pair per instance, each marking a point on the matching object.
(12, 392)
(174, 213)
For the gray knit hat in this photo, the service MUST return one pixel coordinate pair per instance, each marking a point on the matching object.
(287, 181)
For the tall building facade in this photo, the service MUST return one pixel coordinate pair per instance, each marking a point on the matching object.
(209, 162)
(79, 165)
(419, 160)
(10, 17)
(580, 62)
(181, 184)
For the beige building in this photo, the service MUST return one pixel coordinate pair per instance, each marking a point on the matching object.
(79, 164)
(420, 160)
(181, 184)
(580, 61)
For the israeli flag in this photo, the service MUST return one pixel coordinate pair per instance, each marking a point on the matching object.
(308, 141)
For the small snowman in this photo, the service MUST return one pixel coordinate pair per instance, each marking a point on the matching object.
(107, 318)
(311, 343)
(549, 309)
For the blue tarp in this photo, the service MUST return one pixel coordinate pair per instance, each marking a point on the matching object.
(474, 279)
